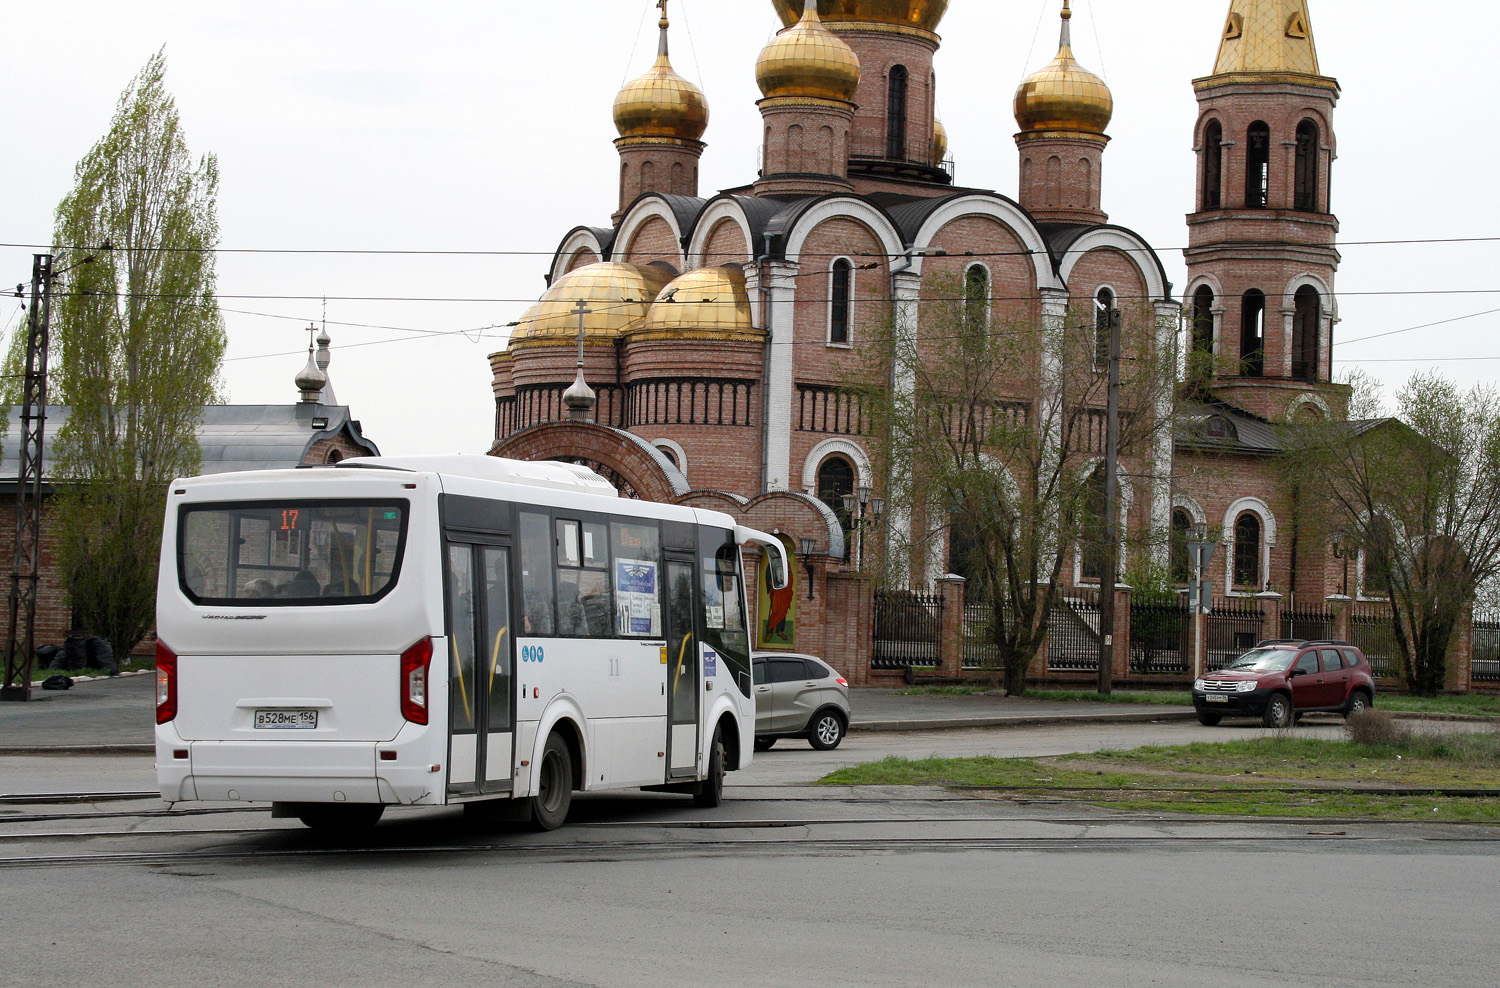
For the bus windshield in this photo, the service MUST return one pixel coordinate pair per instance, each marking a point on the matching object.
(290, 552)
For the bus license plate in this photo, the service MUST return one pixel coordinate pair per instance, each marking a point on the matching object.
(286, 720)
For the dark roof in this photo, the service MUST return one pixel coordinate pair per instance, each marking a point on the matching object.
(1219, 428)
(233, 437)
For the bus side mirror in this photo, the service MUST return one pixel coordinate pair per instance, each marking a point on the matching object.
(777, 565)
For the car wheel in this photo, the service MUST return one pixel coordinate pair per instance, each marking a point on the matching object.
(1359, 702)
(554, 791)
(334, 819)
(764, 743)
(827, 731)
(711, 790)
(1209, 718)
(1278, 711)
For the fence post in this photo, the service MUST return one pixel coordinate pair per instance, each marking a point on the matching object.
(951, 631)
(1271, 604)
(1458, 671)
(1338, 606)
(1120, 655)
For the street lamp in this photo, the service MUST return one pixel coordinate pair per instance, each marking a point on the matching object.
(863, 510)
(805, 547)
(1342, 551)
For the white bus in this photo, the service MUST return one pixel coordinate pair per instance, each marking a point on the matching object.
(425, 631)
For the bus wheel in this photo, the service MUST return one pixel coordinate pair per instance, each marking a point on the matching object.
(339, 818)
(711, 790)
(549, 807)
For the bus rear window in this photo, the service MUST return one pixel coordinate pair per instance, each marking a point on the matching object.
(286, 552)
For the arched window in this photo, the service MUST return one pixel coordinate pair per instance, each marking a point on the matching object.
(1104, 305)
(895, 114)
(1213, 165)
(334, 456)
(1247, 551)
(840, 292)
(1258, 166)
(1177, 552)
(1306, 197)
(1253, 333)
(1091, 530)
(1203, 320)
(1307, 326)
(835, 479)
(1379, 545)
(976, 298)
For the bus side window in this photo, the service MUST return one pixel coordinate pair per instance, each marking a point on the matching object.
(636, 550)
(536, 573)
(724, 604)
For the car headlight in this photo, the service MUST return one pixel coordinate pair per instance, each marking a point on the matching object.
(1245, 687)
(1198, 685)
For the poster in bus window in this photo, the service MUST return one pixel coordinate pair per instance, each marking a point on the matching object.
(637, 608)
(775, 610)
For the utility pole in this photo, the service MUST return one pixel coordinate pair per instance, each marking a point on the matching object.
(20, 640)
(1111, 511)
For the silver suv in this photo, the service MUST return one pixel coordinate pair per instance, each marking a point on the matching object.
(798, 696)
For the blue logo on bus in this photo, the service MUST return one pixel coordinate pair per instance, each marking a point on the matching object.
(532, 653)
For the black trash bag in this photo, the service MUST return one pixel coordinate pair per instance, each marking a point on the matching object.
(101, 655)
(46, 655)
(77, 654)
(58, 682)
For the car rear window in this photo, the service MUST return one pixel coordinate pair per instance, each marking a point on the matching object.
(1332, 662)
(1351, 657)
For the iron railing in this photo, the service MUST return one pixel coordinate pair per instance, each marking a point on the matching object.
(1073, 632)
(1311, 624)
(1371, 631)
(908, 627)
(1233, 627)
(1160, 637)
(980, 651)
(1486, 647)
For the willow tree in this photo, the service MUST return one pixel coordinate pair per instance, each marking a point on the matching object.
(137, 342)
(990, 432)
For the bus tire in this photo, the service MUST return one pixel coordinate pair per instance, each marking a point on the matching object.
(711, 790)
(549, 807)
(339, 818)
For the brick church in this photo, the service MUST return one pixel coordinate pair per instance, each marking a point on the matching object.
(694, 347)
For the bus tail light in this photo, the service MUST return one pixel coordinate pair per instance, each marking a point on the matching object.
(166, 684)
(415, 663)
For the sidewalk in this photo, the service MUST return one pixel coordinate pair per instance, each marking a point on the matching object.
(116, 715)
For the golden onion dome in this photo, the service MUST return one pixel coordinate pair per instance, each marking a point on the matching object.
(705, 303)
(923, 15)
(661, 103)
(617, 295)
(939, 142)
(808, 60)
(1064, 95)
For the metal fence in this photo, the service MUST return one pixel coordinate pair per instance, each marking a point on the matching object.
(1234, 626)
(1370, 629)
(1486, 663)
(1310, 624)
(907, 629)
(980, 651)
(1160, 637)
(1073, 632)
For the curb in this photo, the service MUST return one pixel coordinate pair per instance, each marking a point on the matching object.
(1034, 720)
(77, 749)
(36, 683)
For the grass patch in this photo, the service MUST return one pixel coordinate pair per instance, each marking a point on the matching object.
(1477, 704)
(1271, 776)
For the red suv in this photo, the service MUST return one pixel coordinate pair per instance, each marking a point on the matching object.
(1279, 681)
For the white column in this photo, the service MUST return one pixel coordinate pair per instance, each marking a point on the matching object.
(781, 280)
(1168, 319)
(906, 291)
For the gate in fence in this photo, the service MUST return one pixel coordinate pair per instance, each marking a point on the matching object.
(1073, 632)
(1160, 637)
(907, 629)
(1233, 627)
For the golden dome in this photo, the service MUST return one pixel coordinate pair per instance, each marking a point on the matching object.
(808, 60)
(1064, 95)
(707, 302)
(939, 142)
(921, 14)
(661, 103)
(618, 296)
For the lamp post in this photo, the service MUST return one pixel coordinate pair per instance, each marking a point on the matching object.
(864, 511)
(805, 547)
(1200, 592)
(1341, 552)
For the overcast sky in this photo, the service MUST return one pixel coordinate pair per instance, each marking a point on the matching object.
(484, 126)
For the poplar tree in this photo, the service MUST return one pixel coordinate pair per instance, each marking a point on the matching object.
(137, 341)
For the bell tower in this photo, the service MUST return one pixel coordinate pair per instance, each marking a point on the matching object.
(1262, 257)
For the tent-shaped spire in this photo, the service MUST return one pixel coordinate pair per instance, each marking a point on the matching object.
(1267, 36)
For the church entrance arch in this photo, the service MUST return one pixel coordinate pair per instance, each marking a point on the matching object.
(635, 467)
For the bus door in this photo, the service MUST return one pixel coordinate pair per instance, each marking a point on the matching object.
(481, 667)
(682, 668)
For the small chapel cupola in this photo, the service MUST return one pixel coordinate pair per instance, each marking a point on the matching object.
(311, 379)
(661, 118)
(892, 139)
(1063, 111)
(1262, 252)
(808, 78)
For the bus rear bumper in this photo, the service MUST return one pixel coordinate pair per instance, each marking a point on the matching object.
(295, 772)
